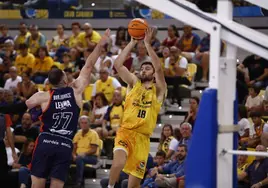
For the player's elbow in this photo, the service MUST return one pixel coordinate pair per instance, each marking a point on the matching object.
(29, 104)
(117, 65)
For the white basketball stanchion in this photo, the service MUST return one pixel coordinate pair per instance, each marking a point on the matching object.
(221, 26)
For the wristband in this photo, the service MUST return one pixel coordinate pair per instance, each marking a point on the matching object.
(260, 183)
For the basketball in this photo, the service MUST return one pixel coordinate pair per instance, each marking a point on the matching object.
(137, 28)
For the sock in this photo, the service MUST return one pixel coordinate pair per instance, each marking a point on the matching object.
(110, 186)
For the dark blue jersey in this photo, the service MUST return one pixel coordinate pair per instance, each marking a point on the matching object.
(62, 113)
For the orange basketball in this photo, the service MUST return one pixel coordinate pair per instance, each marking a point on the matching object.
(137, 28)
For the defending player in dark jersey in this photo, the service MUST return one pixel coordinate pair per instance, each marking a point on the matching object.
(61, 106)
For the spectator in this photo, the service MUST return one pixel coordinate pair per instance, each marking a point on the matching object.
(90, 38)
(5, 124)
(254, 101)
(189, 40)
(173, 37)
(6, 61)
(266, 94)
(116, 39)
(257, 171)
(186, 133)
(166, 137)
(260, 127)
(60, 39)
(42, 66)
(155, 41)
(243, 122)
(25, 131)
(173, 142)
(141, 58)
(12, 82)
(67, 64)
(190, 117)
(106, 85)
(4, 34)
(24, 160)
(165, 54)
(159, 160)
(26, 155)
(201, 56)
(99, 110)
(113, 116)
(265, 108)
(26, 88)
(2, 99)
(75, 39)
(175, 74)
(166, 175)
(10, 159)
(242, 165)
(22, 36)
(25, 60)
(104, 61)
(257, 74)
(86, 147)
(35, 40)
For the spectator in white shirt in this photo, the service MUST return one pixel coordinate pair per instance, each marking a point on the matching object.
(266, 94)
(12, 82)
(103, 61)
(243, 122)
(254, 101)
(99, 110)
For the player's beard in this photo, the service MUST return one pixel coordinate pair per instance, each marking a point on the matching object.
(146, 78)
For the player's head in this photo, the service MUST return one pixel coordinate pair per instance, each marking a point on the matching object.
(146, 72)
(57, 78)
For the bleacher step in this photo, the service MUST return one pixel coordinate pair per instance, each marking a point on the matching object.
(92, 183)
(103, 173)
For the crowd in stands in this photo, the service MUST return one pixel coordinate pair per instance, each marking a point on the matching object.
(26, 59)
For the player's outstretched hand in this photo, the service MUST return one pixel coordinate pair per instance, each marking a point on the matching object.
(105, 37)
(149, 35)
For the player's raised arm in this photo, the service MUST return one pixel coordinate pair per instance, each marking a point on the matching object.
(123, 72)
(83, 79)
(37, 99)
(159, 74)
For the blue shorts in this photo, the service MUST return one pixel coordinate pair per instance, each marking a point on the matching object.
(52, 157)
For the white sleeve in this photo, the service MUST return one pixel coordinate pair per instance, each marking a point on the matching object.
(183, 63)
(93, 90)
(244, 124)
(167, 63)
(116, 83)
(7, 84)
(247, 102)
(265, 128)
(173, 145)
(266, 94)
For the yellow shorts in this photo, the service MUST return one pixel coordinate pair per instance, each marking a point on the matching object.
(137, 147)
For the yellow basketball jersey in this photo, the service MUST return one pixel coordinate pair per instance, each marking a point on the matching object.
(141, 109)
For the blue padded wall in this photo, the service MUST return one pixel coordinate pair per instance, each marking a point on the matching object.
(201, 162)
(235, 144)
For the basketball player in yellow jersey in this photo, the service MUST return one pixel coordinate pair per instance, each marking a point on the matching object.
(142, 105)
